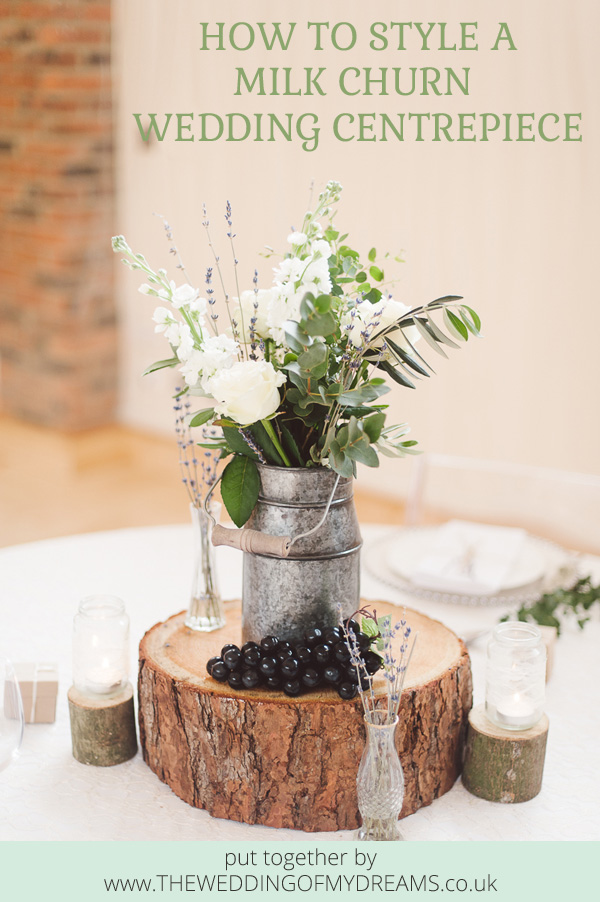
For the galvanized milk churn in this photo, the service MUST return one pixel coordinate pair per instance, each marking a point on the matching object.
(301, 552)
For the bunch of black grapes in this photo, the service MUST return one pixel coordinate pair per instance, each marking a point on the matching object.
(320, 658)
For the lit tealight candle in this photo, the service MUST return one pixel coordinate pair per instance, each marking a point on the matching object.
(100, 646)
(515, 676)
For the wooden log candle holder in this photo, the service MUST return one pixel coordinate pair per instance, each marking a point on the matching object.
(263, 758)
(503, 765)
(102, 729)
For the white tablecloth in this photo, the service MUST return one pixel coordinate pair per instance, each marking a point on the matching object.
(47, 795)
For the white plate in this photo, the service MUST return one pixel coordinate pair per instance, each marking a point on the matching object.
(413, 545)
(543, 567)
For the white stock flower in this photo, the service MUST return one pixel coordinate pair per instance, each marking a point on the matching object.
(263, 297)
(246, 392)
(218, 352)
(191, 368)
(163, 318)
(198, 308)
(297, 239)
(178, 296)
(185, 344)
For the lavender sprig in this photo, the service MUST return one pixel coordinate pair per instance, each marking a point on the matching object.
(198, 477)
(396, 660)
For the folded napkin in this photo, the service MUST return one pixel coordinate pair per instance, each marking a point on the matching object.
(469, 558)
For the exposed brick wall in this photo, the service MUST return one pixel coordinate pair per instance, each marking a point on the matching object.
(58, 341)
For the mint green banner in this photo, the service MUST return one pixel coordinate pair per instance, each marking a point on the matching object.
(98, 872)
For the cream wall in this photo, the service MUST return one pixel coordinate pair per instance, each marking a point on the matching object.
(510, 226)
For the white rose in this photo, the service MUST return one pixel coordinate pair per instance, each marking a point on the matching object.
(375, 318)
(247, 392)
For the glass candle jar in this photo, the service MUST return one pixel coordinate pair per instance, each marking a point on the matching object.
(515, 676)
(101, 646)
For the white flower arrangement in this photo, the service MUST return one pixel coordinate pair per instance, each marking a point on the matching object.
(295, 377)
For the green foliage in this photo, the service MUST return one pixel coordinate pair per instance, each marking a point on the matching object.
(240, 485)
(563, 603)
(161, 365)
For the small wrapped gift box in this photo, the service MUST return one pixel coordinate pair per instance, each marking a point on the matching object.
(39, 689)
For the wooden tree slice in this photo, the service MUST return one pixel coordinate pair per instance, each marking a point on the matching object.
(261, 757)
(503, 765)
(103, 729)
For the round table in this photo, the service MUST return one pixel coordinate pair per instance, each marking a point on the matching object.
(47, 795)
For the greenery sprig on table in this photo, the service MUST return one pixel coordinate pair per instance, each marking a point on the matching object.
(552, 608)
(295, 376)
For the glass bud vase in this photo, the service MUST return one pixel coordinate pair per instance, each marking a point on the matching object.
(205, 612)
(380, 780)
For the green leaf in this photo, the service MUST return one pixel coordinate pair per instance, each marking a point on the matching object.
(376, 273)
(202, 417)
(373, 296)
(296, 337)
(474, 316)
(373, 425)
(372, 255)
(361, 276)
(314, 360)
(161, 365)
(370, 391)
(264, 441)
(455, 326)
(395, 374)
(428, 336)
(237, 443)
(406, 358)
(240, 486)
(369, 627)
(338, 460)
(439, 335)
(291, 444)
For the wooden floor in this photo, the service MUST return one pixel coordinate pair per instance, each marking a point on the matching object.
(55, 484)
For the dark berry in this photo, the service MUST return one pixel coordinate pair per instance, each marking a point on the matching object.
(220, 671)
(312, 637)
(248, 645)
(322, 654)
(290, 668)
(283, 653)
(332, 674)
(347, 690)
(311, 677)
(341, 653)
(211, 663)
(226, 648)
(250, 678)
(292, 688)
(252, 655)
(274, 681)
(373, 662)
(363, 641)
(303, 654)
(235, 679)
(268, 665)
(352, 625)
(269, 643)
(283, 643)
(332, 634)
(233, 657)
